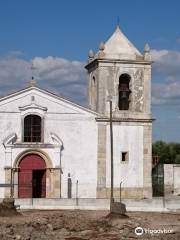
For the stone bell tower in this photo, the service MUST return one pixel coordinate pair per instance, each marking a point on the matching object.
(120, 71)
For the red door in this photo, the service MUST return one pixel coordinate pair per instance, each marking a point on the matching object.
(32, 177)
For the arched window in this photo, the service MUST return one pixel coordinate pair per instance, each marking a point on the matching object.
(32, 128)
(124, 92)
(93, 93)
(94, 81)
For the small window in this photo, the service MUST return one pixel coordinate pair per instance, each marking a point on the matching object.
(124, 156)
(32, 128)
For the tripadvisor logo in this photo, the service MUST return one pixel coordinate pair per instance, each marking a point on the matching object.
(139, 231)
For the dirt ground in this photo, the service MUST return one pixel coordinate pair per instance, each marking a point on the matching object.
(81, 225)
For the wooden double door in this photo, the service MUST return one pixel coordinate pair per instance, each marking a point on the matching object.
(32, 177)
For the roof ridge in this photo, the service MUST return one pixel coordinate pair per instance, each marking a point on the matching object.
(50, 93)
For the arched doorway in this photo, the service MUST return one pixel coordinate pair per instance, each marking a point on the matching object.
(32, 177)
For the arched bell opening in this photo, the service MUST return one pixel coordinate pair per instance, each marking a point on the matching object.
(124, 92)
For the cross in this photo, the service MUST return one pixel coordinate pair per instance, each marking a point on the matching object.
(33, 81)
(33, 68)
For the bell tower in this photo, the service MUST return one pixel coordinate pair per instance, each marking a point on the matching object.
(119, 70)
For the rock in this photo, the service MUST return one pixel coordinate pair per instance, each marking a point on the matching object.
(58, 224)
(8, 225)
(118, 208)
(17, 237)
(113, 232)
(11, 231)
(86, 232)
(101, 230)
(64, 232)
(50, 227)
(27, 238)
(7, 208)
(35, 225)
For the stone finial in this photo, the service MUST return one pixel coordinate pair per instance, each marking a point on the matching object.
(147, 55)
(101, 46)
(146, 48)
(33, 82)
(101, 49)
(91, 53)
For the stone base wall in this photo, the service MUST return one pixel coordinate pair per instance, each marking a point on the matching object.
(147, 163)
(101, 161)
(128, 193)
(53, 187)
(8, 190)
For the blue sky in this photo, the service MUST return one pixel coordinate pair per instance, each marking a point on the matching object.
(56, 36)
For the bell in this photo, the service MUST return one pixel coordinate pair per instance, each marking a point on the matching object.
(124, 94)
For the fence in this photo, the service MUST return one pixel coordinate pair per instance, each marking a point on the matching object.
(158, 180)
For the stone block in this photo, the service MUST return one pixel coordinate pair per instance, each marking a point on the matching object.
(118, 208)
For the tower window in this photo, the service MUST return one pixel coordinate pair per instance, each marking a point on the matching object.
(93, 93)
(124, 92)
(32, 128)
(124, 156)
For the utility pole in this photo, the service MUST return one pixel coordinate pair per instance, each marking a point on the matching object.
(115, 207)
(111, 144)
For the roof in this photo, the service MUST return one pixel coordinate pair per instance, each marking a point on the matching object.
(119, 47)
(30, 88)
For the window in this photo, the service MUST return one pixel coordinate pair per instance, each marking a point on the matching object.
(32, 128)
(93, 93)
(124, 92)
(94, 81)
(124, 156)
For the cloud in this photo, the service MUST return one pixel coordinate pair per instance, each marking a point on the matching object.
(166, 62)
(166, 77)
(68, 78)
(61, 76)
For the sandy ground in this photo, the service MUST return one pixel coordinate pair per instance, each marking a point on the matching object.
(81, 225)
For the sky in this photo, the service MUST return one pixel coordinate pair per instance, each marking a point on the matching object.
(56, 35)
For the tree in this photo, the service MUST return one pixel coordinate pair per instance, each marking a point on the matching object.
(167, 152)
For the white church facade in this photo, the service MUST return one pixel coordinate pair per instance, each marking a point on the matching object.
(53, 148)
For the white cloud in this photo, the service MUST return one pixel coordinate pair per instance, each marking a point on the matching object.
(166, 62)
(64, 77)
(68, 78)
(157, 55)
(166, 77)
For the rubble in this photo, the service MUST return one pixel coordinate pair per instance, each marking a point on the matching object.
(85, 225)
(7, 208)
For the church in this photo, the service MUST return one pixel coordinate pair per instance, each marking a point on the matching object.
(51, 147)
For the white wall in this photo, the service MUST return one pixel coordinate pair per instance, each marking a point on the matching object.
(172, 179)
(76, 128)
(126, 139)
(79, 157)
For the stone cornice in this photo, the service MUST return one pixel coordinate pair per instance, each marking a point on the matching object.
(141, 120)
(34, 145)
(32, 106)
(111, 60)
